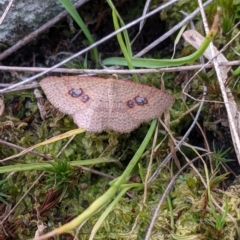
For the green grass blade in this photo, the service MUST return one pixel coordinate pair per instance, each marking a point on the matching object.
(106, 212)
(125, 52)
(123, 38)
(125, 32)
(236, 72)
(75, 15)
(43, 165)
(159, 63)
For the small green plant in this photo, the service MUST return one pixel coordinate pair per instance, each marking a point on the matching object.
(61, 174)
(219, 219)
(219, 155)
(3, 196)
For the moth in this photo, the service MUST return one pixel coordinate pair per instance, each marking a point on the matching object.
(98, 104)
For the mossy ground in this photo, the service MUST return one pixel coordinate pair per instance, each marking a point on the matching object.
(60, 195)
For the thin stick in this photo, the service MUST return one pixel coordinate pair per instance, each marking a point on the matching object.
(169, 33)
(116, 71)
(6, 11)
(22, 148)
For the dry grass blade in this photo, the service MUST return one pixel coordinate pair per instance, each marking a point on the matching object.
(51, 140)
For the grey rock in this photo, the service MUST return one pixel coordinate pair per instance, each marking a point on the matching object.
(25, 16)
